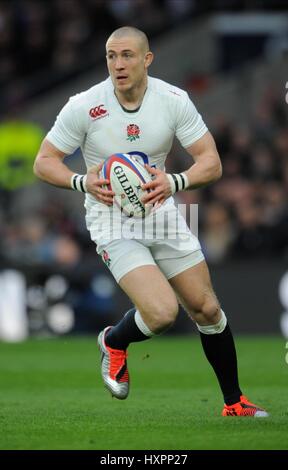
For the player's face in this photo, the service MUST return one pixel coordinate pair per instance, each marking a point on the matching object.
(127, 63)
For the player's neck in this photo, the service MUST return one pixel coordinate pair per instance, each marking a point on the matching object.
(132, 99)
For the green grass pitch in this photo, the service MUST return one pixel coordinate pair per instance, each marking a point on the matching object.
(51, 397)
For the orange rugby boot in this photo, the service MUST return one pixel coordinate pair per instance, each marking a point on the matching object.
(244, 408)
(114, 368)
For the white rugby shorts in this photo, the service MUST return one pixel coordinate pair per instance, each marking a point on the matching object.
(161, 239)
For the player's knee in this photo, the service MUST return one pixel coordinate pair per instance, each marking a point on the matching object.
(211, 311)
(164, 315)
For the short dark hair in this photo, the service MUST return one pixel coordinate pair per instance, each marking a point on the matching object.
(131, 31)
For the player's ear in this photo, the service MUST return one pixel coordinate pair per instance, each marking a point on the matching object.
(148, 59)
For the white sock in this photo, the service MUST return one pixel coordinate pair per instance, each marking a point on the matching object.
(214, 329)
(142, 325)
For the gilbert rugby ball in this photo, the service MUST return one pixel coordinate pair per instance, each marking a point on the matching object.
(126, 174)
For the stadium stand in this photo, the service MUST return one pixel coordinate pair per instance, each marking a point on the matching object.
(45, 47)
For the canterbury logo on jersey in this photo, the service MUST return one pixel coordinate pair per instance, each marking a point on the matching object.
(98, 112)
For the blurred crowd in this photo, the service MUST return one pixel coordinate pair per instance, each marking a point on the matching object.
(43, 42)
(245, 214)
(51, 279)
(242, 216)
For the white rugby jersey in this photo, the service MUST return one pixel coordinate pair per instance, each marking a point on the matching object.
(95, 121)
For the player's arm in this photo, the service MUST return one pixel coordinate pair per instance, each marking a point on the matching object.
(207, 166)
(206, 169)
(49, 166)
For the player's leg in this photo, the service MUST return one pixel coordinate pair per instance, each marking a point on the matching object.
(133, 267)
(194, 290)
(155, 309)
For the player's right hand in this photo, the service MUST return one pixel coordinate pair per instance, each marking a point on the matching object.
(95, 183)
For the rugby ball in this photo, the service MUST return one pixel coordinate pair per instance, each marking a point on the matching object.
(126, 173)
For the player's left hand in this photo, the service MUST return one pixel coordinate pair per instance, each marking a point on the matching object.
(159, 187)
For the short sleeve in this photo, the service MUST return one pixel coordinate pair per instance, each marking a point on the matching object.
(190, 125)
(68, 131)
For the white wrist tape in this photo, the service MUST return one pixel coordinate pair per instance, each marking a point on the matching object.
(178, 182)
(78, 183)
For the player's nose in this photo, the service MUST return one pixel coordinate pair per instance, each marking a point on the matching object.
(119, 64)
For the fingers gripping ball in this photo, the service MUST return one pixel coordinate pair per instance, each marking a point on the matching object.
(126, 175)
